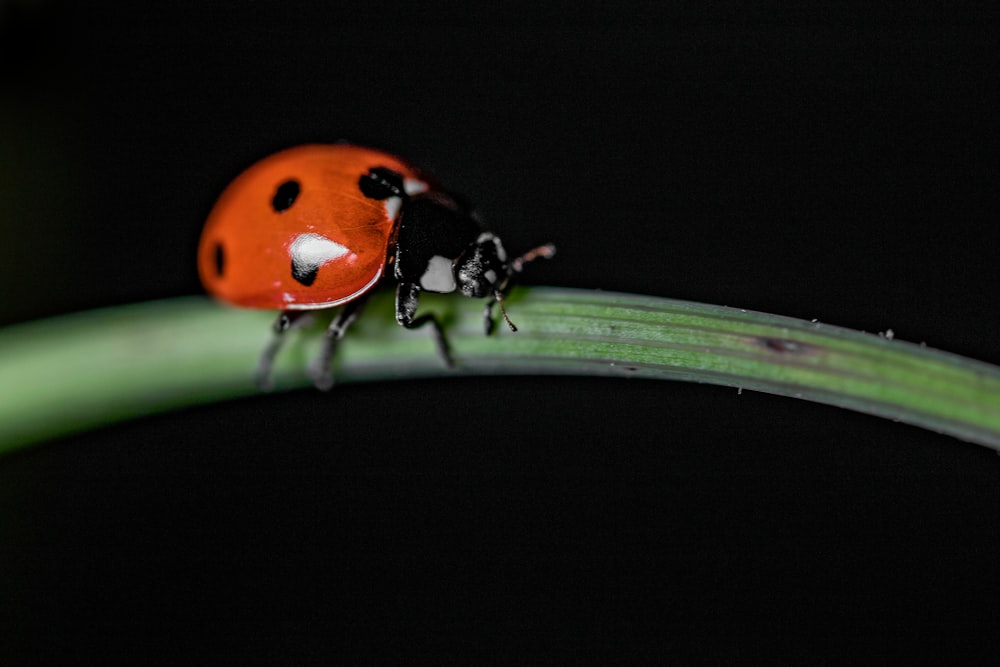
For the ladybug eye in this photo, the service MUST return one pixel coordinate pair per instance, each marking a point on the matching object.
(285, 196)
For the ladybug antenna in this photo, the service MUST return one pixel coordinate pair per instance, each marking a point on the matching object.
(543, 251)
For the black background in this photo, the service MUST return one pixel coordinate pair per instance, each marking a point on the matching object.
(841, 167)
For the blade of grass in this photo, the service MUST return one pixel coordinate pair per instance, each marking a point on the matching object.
(69, 373)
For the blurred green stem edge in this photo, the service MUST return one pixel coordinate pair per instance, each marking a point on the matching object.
(79, 371)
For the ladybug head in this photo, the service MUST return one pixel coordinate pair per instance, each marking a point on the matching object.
(483, 270)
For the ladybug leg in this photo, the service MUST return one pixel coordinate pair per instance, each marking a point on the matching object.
(287, 320)
(495, 298)
(514, 268)
(319, 370)
(407, 297)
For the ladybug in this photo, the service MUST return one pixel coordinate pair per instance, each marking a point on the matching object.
(319, 226)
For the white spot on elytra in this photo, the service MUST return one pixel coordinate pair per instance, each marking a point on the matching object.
(491, 276)
(439, 276)
(412, 186)
(311, 251)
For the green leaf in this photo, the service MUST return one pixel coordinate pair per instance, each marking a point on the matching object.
(74, 372)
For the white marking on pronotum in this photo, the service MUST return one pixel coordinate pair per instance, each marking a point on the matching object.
(392, 205)
(439, 275)
(311, 251)
(412, 186)
(489, 236)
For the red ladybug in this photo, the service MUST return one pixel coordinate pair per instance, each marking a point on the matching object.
(318, 226)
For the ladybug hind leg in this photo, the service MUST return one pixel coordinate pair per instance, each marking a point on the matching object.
(286, 321)
(320, 370)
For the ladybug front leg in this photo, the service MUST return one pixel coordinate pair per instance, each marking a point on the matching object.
(407, 298)
(319, 370)
(513, 269)
(287, 320)
(488, 321)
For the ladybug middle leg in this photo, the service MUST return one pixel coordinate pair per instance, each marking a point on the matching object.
(407, 297)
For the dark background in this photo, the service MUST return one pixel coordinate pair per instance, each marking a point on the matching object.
(841, 167)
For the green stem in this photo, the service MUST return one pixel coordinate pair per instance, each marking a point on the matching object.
(69, 373)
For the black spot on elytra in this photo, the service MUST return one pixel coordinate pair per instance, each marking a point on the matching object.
(219, 259)
(304, 274)
(381, 183)
(286, 195)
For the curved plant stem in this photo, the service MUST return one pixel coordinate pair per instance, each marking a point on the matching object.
(65, 374)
